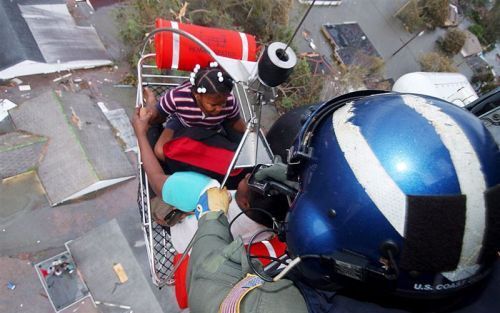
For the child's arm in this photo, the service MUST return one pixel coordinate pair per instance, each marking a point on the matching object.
(234, 118)
(166, 135)
(239, 125)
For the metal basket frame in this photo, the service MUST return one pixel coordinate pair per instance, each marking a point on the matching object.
(158, 242)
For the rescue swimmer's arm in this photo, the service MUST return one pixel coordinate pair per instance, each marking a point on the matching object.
(213, 234)
(151, 106)
(209, 277)
(216, 265)
(156, 175)
(211, 272)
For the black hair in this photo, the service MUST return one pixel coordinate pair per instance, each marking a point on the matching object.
(209, 78)
(276, 205)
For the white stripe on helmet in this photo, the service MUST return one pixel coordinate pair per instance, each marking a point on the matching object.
(379, 186)
(470, 177)
(390, 199)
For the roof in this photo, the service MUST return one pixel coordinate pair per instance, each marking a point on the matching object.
(18, 44)
(19, 152)
(477, 64)
(96, 4)
(350, 43)
(73, 164)
(42, 37)
(472, 46)
(453, 17)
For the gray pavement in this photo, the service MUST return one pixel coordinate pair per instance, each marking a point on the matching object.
(377, 21)
(493, 58)
(97, 252)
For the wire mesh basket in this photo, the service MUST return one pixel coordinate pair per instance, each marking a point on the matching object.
(158, 242)
(253, 149)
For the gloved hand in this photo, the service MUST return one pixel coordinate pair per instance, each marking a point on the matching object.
(276, 172)
(214, 199)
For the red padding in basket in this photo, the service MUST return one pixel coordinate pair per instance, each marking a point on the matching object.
(174, 51)
(180, 281)
(198, 154)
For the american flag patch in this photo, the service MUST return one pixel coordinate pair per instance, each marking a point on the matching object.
(231, 303)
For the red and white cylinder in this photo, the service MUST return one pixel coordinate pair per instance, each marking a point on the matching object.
(174, 51)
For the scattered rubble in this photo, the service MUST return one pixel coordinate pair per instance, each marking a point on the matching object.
(24, 87)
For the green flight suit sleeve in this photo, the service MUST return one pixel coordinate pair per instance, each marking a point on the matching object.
(217, 263)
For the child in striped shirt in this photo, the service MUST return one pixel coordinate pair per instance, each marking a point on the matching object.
(203, 101)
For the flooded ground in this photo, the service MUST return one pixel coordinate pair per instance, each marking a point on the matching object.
(20, 194)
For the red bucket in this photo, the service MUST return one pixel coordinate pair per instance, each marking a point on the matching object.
(174, 51)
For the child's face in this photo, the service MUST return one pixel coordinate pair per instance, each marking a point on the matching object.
(211, 104)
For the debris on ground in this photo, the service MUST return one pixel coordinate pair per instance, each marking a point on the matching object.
(55, 80)
(16, 81)
(120, 272)
(24, 87)
(5, 106)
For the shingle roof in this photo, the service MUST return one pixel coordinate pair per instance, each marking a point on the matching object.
(18, 43)
(472, 46)
(349, 41)
(41, 36)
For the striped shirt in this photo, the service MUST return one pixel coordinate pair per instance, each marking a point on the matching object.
(180, 102)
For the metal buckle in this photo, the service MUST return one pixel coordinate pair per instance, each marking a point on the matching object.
(268, 186)
(258, 186)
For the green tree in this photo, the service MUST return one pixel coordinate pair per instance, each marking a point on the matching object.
(453, 41)
(411, 17)
(435, 12)
(376, 66)
(436, 62)
(477, 30)
(267, 20)
(301, 88)
(344, 82)
(487, 22)
(484, 80)
(370, 66)
(137, 19)
(492, 24)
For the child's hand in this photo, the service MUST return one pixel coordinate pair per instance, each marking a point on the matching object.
(140, 120)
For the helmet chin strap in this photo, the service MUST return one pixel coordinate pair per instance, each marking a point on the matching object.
(287, 269)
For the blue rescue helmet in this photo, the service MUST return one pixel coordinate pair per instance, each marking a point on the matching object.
(398, 191)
